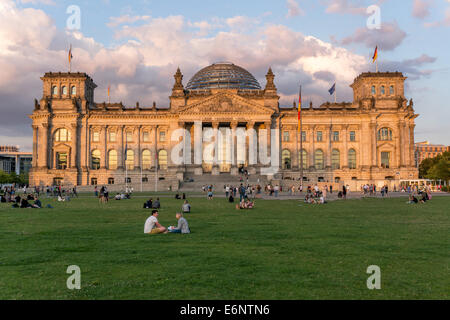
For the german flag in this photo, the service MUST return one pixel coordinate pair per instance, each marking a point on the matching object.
(375, 55)
(70, 55)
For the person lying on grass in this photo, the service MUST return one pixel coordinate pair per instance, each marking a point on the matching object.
(183, 226)
(152, 225)
(245, 204)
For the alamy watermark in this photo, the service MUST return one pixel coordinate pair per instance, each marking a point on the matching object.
(74, 280)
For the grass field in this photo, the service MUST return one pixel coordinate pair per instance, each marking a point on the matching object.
(279, 250)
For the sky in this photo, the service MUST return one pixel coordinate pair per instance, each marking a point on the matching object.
(137, 45)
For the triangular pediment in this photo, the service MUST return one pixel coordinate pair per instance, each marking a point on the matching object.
(226, 103)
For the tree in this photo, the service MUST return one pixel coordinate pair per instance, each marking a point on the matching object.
(440, 171)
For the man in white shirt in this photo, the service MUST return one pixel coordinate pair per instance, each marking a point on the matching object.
(152, 225)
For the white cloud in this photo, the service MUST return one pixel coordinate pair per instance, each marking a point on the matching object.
(116, 21)
(388, 37)
(294, 9)
(421, 9)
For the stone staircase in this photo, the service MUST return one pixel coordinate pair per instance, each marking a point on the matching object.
(218, 181)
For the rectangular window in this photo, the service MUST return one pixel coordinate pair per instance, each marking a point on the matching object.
(96, 136)
(112, 137)
(146, 136)
(110, 180)
(286, 136)
(352, 136)
(319, 136)
(303, 136)
(162, 136)
(129, 137)
(336, 136)
(385, 157)
(62, 161)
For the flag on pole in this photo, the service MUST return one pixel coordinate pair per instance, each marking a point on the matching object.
(332, 89)
(375, 55)
(299, 108)
(109, 92)
(70, 58)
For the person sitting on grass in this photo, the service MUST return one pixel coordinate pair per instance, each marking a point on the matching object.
(117, 197)
(152, 226)
(424, 197)
(412, 199)
(186, 207)
(148, 204)
(156, 204)
(37, 204)
(24, 204)
(183, 226)
(177, 196)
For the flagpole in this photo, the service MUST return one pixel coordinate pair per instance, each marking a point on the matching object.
(301, 141)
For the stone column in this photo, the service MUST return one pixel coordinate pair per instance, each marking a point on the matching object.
(156, 148)
(411, 145)
(330, 139)
(121, 156)
(73, 148)
(252, 148)
(233, 148)
(139, 147)
(198, 147)
(35, 146)
(46, 148)
(373, 131)
(398, 150)
(104, 163)
(268, 125)
(215, 168)
(345, 151)
(312, 149)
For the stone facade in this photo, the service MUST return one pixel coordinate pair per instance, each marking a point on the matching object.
(79, 142)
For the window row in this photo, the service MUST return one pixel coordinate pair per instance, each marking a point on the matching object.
(129, 160)
(319, 161)
(382, 90)
(335, 136)
(128, 136)
(55, 90)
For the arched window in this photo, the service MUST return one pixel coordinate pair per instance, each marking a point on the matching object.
(64, 90)
(73, 90)
(374, 90)
(391, 90)
(286, 159)
(318, 159)
(112, 160)
(55, 90)
(129, 160)
(385, 134)
(383, 90)
(95, 159)
(352, 159)
(335, 159)
(162, 159)
(303, 154)
(62, 135)
(146, 160)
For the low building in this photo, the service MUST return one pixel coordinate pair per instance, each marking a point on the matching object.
(424, 150)
(12, 160)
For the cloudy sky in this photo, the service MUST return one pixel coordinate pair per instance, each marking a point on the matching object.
(137, 45)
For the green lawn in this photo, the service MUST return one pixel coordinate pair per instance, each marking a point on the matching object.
(279, 250)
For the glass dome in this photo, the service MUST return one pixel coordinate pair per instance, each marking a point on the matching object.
(223, 75)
